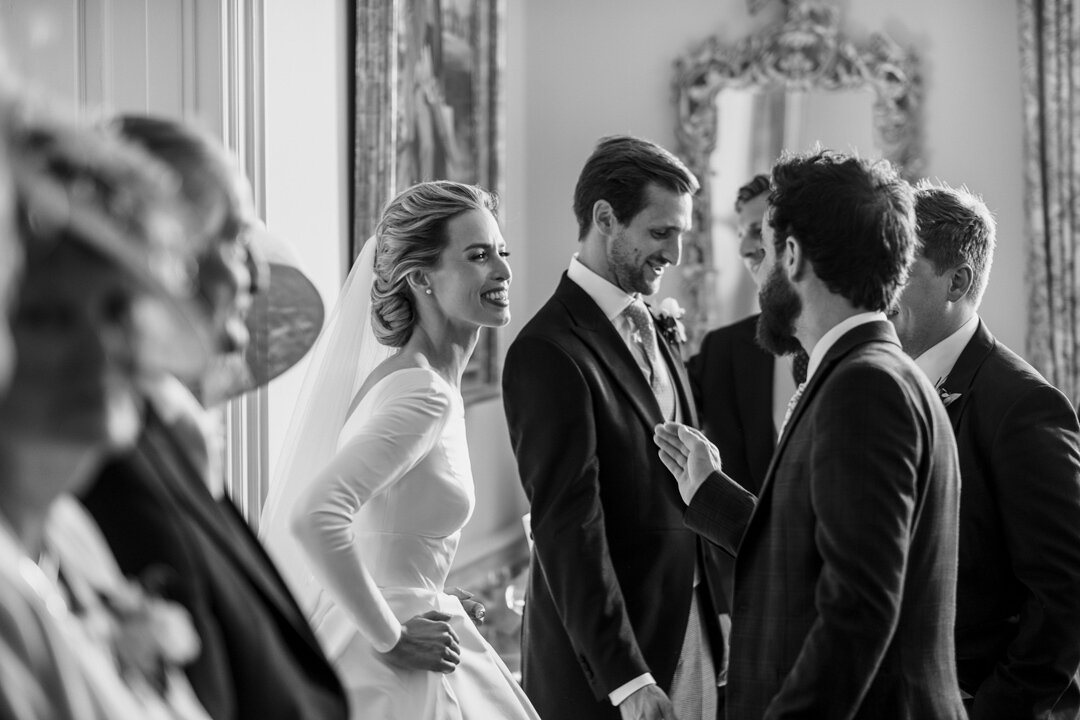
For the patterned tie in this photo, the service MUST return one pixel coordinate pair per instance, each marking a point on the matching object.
(792, 403)
(799, 365)
(645, 338)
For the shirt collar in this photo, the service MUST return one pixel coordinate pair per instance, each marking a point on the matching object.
(938, 361)
(835, 333)
(611, 299)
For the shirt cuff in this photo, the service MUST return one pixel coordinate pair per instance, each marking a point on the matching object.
(624, 691)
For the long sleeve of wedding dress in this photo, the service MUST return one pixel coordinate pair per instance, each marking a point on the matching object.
(394, 428)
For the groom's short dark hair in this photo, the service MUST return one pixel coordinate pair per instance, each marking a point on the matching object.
(619, 170)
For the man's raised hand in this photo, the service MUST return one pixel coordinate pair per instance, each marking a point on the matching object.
(687, 454)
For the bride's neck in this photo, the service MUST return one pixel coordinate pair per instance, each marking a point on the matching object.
(447, 352)
(34, 474)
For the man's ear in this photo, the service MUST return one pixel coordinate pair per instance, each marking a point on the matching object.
(603, 217)
(794, 260)
(961, 279)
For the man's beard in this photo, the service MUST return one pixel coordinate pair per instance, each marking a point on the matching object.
(781, 306)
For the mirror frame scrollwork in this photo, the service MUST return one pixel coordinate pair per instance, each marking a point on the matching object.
(805, 51)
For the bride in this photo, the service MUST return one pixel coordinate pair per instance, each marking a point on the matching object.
(374, 482)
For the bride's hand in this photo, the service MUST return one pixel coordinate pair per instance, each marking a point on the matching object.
(473, 608)
(427, 643)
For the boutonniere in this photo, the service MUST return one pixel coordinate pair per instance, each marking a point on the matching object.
(668, 323)
(947, 398)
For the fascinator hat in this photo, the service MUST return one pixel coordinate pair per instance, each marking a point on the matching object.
(287, 314)
(74, 184)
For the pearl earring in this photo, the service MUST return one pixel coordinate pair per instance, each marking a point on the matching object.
(428, 291)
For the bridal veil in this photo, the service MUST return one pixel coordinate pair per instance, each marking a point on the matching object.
(343, 357)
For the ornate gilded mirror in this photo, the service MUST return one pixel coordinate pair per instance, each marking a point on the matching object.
(795, 84)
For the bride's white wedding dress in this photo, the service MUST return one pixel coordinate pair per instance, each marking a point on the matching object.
(381, 525)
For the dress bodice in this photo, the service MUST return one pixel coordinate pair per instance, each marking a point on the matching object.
(386, 513)
(408, 530)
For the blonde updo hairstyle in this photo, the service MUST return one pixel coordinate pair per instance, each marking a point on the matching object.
(411, 237)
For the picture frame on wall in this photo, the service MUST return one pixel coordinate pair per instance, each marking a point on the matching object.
(429, 106)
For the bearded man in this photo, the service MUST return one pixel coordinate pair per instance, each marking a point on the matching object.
(845, 570)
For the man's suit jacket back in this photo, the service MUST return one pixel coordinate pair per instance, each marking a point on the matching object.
(1018, 595)
(613, 565)
(846, 570)
(259, 658)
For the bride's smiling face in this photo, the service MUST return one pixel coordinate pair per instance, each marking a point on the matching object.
(471, 282)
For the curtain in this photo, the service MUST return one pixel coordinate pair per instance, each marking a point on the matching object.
(1050, 59)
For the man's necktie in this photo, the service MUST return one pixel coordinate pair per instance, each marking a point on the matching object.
(794, 401)
(800, 362)
(645, 338)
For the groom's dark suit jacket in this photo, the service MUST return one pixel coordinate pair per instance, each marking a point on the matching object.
(613, 564)
(732, 381)
(845, 578)
(259, 657)
(1018, 597)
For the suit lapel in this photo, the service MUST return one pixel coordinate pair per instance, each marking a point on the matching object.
(961, 378)
(877, 331)
(597, 332)
(164, 457)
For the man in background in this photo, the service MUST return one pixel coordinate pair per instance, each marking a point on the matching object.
(1018, 592)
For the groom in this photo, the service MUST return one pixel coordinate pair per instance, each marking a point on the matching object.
(618, 620)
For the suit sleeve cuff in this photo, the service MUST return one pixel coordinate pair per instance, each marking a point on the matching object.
(624, 691)
(690, 489)
(720, 512)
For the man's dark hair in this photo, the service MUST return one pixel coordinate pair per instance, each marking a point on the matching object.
(758, 186)
(619, 170)
(955, 227)
(854, 219)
